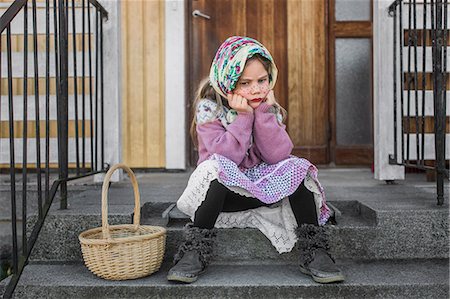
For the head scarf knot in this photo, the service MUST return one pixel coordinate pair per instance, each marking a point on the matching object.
(229, 63)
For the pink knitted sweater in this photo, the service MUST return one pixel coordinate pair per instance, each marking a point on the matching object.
(271, 143)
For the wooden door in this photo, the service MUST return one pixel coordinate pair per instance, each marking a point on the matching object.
(295, 34)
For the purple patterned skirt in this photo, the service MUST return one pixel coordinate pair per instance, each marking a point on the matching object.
(271, 183)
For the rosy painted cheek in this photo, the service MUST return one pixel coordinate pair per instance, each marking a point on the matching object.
(265, 89)
(248, 92)
(243, 92)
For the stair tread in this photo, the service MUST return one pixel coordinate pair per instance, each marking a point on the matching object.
(358, 273)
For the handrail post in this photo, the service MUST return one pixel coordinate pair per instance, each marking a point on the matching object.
(63, 112)
(439, 102)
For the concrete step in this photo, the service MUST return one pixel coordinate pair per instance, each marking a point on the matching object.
(360, 233)
(375, 279)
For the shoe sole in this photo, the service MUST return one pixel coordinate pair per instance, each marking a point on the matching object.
(336, 278)
(181, 278)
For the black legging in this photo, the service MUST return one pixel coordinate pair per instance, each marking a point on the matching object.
(221, 199)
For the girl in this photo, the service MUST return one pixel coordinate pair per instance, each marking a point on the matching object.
(245, 175)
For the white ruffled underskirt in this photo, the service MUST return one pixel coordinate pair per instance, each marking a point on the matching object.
(276, 222)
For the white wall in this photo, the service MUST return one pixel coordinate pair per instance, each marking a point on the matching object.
(175, 49)
(383, 92)
(112, 86)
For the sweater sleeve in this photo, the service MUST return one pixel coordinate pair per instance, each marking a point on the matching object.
(270, 136)
(231, 142)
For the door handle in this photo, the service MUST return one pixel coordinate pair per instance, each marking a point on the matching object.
(198, 13)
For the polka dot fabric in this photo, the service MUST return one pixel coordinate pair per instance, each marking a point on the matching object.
(271, 183)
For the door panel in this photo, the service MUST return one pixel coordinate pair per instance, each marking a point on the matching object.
(307, 54)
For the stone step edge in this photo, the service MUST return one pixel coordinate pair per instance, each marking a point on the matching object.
(407, 272)
(380, 279)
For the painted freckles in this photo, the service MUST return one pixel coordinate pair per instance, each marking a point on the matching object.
(253, 83)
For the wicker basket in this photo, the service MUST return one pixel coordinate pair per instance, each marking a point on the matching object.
(126, 251)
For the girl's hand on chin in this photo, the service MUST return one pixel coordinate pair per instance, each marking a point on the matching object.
(270, 98)
(239, 103)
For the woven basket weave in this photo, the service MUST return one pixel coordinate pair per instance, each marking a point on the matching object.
(126, 251)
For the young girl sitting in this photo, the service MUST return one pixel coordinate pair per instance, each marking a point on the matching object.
(246, 175)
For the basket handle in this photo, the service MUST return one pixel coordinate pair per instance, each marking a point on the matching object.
(137, 198)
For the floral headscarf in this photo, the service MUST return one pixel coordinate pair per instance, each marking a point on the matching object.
(230, 59)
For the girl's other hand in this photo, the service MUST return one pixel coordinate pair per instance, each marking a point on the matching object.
(270, 98)
(239, 103)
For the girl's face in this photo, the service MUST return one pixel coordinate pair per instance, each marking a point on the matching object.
(253, 83)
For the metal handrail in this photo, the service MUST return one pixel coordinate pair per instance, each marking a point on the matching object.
(100, 8)
(10, 13)
(412, 80)
(95, 101)
(17, 5)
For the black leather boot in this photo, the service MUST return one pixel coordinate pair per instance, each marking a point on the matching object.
(193, 255)
(314, 257)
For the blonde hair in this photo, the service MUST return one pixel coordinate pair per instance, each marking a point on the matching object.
(206, 91)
